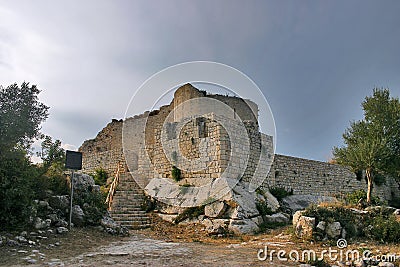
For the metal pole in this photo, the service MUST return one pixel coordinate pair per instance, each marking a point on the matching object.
(72, 195)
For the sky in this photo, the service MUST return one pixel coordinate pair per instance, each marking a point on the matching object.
(314, 61)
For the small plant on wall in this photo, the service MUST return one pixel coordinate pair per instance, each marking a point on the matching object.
(176, 174)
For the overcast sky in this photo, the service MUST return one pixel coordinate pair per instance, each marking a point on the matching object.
(315, 61)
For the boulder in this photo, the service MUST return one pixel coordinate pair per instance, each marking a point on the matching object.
(243, 226)
(62, 230)
(272, 201)
(83, 182)
(296, 217)
(168, 217)
(111, 227)
(305, 227)
(321, 226)
(215, 209)
(78, 216)
(333, 230)
(61, 222)
(299, 202)
(59, 202)
(41, 224)
(258, 220)
(242, 202)
(215, 226)
(277, 218)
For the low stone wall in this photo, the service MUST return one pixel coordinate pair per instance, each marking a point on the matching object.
(312, 177)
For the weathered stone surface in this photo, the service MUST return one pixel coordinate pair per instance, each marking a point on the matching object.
(258, 220)
(296, 217)
(41, 224)
(244, 202)
(62, 230)
(171, 209)
(215, 209)
(321, 226)
(304, 227)
(78, 216)
(333, 230)
(83, 182)
(277, 218)
(244, 226)
(300, 202)
(59, 202)
(111, 227)
(168, 217)
(215, 226)
(272, 202)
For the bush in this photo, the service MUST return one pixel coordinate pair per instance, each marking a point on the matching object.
(176, 174)
(263, 208)
(16, 194)
(280, 192)
(333, 214)
(93, 205)
(100, 177)
(384, 229)
(360, 196)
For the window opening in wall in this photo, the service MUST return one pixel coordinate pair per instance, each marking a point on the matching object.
(202, 128)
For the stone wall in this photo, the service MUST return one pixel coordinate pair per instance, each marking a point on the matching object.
(311, 177)
(148, 136)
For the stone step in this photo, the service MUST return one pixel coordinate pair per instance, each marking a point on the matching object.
(122, 220)
(137, 226)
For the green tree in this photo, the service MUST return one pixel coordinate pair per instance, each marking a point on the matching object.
(373, 143)
(21, 114)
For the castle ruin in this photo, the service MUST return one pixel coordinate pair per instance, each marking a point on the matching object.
(206, 150)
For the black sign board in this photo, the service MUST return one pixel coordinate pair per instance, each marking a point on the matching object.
(73, 160)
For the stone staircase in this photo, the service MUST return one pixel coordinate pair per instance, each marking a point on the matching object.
(127, 204)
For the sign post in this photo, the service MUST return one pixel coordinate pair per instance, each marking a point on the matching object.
(73, 161)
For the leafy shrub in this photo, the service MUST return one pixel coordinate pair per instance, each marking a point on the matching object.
(16, 194)
(263, 208)
(100, 177)
(333, 214)
(358, 196)
(93, 205)
(280, 192)
(384, 229)
(176, 174)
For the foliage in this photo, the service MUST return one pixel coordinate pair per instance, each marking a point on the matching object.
(16, 194)
(176, 174)
(263, 208)
(100, 177)
(333, 214)
(378, 224)
(358, 196)
(21, 114)
(384, 229)
(189, 213)
(373, 144)
(93, 205)
(280, 192)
